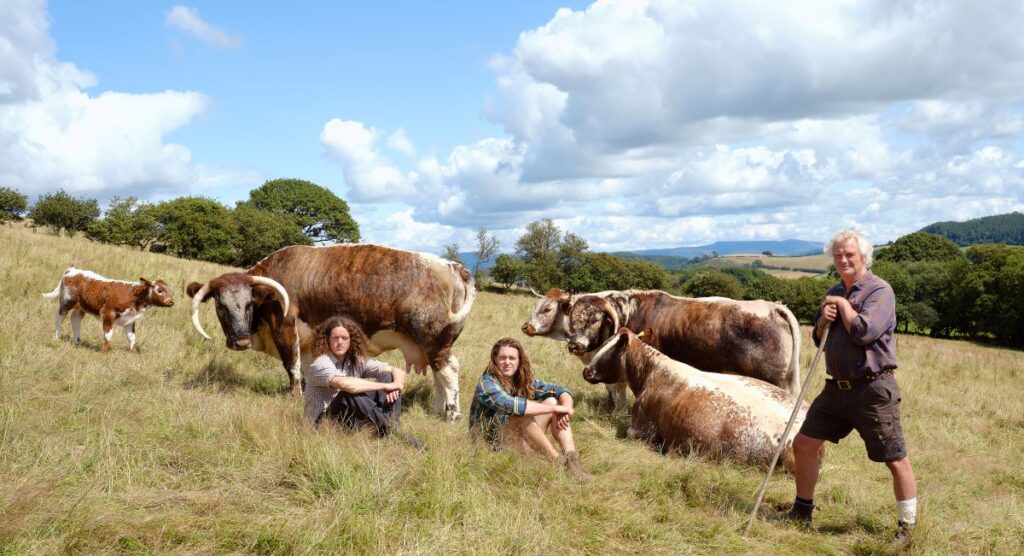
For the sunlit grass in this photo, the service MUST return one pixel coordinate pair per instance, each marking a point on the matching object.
(190, 448)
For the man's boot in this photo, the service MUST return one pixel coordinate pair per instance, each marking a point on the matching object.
(903, 538)
(799, 513)
(571, 461)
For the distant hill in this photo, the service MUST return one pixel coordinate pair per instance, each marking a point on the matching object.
(788, 247)
(1001, 228)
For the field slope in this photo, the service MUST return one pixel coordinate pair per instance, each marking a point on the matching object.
(187, 448)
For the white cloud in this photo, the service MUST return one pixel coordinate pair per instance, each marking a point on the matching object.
(370, 176)
(187, 19)
(400, 142)
(54, 134)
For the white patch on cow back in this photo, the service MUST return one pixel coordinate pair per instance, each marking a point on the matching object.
(386, 340)
(92, 276)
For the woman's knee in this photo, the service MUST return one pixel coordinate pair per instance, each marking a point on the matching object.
(806, 446)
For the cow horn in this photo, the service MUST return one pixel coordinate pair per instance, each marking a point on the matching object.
(197, 298)
(281, 293)
(534, 292)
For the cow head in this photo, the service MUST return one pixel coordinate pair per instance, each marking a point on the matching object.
(157, 292)
(606, 365)
(592, 320)
(550, 316)
(236, 295)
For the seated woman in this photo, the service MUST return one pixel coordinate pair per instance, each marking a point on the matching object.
(337, 388)
(512, 409)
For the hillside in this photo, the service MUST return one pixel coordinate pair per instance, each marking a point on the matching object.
(1001, 228)
(188, 448)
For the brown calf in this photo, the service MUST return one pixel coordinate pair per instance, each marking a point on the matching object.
(113, 301)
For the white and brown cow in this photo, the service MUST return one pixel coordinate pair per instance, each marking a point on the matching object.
(759, 339)
(415, 302)
(113, 301)
(680, 408)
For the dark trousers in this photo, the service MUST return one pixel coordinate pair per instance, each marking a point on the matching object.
(356, 411)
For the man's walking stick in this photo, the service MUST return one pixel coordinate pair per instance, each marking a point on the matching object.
(789, 426)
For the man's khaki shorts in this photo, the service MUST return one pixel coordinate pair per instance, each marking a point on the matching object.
(872, 408)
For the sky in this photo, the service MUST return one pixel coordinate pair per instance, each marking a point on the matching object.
(633, 124)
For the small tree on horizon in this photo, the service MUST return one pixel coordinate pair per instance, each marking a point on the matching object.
(12, 204)
(451, 252)
(62, 212)
(321, 214)
(486, 247)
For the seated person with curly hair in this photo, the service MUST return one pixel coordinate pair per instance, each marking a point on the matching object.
(337, 388)
(513, 409)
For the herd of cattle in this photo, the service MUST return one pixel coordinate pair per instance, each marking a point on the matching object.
(711, 374)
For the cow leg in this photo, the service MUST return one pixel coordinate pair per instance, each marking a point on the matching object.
(76, 325)
(616, 394)
(446, 389)
(286, 339)
(108, 328)
(57, 321)
(129, 332)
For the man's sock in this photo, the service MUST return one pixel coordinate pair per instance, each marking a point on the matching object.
(906, 511)
(808, 502)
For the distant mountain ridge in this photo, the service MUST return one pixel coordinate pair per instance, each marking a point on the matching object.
(1000, 228)
(787, 247)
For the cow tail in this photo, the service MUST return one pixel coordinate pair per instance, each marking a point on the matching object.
(56, 291)
(460, 274)
(794, 361)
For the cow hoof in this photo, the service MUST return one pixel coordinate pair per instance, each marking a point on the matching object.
(451, 413)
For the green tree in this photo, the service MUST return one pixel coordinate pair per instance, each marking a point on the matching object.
(126, 222)
(12, 204)
(805, 296)
(767, 287)
(260, 233)
(486, 247)
(321, 214)
(62, 212)
(711, 282)
(198, 228)
(451, 252)
(539, 247)
(920, 246)
(509, 270)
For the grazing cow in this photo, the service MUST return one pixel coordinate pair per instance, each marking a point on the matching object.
(415, 302)
(759, 339)
(113, 301)
(680, 408)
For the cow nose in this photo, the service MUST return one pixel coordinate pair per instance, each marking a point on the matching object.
(528, 329)
(575, 347)
(242, 343)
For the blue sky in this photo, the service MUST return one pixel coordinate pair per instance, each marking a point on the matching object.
(639, 124)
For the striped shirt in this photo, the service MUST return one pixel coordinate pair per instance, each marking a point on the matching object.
(322, 370)
(492, 405)
(870, 345)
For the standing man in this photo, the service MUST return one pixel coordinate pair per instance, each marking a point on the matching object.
(861, 392)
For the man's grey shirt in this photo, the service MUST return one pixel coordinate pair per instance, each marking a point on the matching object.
(870, 345)
(322, 370)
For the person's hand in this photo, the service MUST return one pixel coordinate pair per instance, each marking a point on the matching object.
(563, 416)
(393, 391)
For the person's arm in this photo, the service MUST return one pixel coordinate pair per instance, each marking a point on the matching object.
(564, 410)
(866, 326)
(373, 368)
(490, 393)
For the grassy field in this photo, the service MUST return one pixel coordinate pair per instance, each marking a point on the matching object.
(778, 264)
(188, 448)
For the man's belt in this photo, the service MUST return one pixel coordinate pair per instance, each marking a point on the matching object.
(855, 382)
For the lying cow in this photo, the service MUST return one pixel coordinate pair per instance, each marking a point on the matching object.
(680, 408)
(415, 302)
(759, 339)
(113, 301)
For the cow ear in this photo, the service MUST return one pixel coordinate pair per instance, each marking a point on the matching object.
(647, 335)
(564, 307)
(263, 294)
(145, 282)
(192, 288)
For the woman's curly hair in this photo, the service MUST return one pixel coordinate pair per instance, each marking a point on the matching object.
(358, 348)
(521, 384)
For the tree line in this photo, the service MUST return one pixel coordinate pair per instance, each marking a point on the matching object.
(279, 213)
(1001, 228)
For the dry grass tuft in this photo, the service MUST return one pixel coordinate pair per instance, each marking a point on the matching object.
(189, 448)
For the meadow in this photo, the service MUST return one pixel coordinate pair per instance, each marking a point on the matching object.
(805, 265)
(189, 448)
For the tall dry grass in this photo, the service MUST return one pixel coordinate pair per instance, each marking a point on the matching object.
(190, 448)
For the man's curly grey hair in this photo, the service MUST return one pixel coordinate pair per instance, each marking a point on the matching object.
(863, 245)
